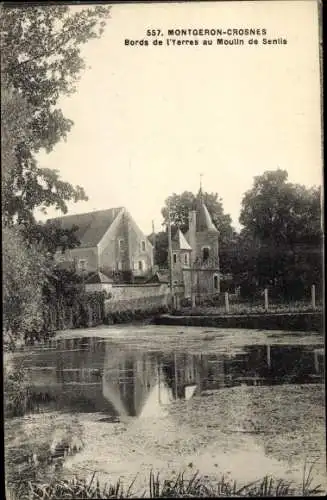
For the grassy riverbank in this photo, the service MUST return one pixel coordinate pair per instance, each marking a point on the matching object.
(241, 433)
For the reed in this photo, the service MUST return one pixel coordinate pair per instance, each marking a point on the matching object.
(177, 487)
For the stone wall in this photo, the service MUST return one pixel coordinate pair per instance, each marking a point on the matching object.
(114, 251)
(128, 292)
(140, 249)
(124, 247)
(207, 239)
(299, 322)
(98, 287)
(137, 297)
(182, 258)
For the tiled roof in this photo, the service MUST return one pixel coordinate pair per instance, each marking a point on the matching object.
(91, 226)
(179, 241)
(203, 218)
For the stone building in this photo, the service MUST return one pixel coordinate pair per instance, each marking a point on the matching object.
(195, 254)
(110, 243)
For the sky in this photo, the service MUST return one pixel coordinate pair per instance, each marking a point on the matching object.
(148, 120)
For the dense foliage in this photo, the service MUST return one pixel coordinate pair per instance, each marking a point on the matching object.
(40, 62)
(280, 245)
(181, 204)
(25, 270)
(38, 74)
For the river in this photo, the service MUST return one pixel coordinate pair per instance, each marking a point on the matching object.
(243, 403)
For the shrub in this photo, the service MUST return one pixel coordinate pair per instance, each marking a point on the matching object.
(16, 391)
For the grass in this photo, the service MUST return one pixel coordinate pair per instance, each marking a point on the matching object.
(178, 487)
(246, 309)
(16, 391)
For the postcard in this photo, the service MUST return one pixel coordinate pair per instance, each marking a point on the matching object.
(162, 249)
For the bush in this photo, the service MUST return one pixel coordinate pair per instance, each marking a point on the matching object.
(16, 391)
(109, 320)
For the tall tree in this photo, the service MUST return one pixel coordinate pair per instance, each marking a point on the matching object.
(39, 73)
(40, 62)
(160, 242)
(282, 228)
(25, 271)
(181, 204)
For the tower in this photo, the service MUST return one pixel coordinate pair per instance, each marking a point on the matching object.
(203, 237)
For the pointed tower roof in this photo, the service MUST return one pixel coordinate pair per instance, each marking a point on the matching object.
(203, 218)
(179, 241)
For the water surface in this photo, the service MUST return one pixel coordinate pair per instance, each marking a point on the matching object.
(248, 402)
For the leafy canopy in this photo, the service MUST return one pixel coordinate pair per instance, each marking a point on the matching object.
(41, 61)
(280, 243)
(181, 204)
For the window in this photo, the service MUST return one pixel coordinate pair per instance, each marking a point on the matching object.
(140, 264)
(82, 264)
(186, 259)
(120, 244)
(215, 282)
(120, 265)
(174, 258)
(143, 246)
(205, 253)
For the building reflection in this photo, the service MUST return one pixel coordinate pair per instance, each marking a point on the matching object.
(90, 374)
(182, 373)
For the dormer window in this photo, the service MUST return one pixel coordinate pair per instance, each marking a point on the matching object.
(143, 246)
(186, 259)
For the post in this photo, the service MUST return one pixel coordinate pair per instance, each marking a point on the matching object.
(313, 296)
(227, 302)
(170, 256)
(192, 287)
(176, 375)
(159, 382)
(316, 360)
(268, 356)
(218, 262)
(266, 300)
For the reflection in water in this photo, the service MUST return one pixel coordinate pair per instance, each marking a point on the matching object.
(90, 374)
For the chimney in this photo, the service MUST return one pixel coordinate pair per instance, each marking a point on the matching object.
(192, 233)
